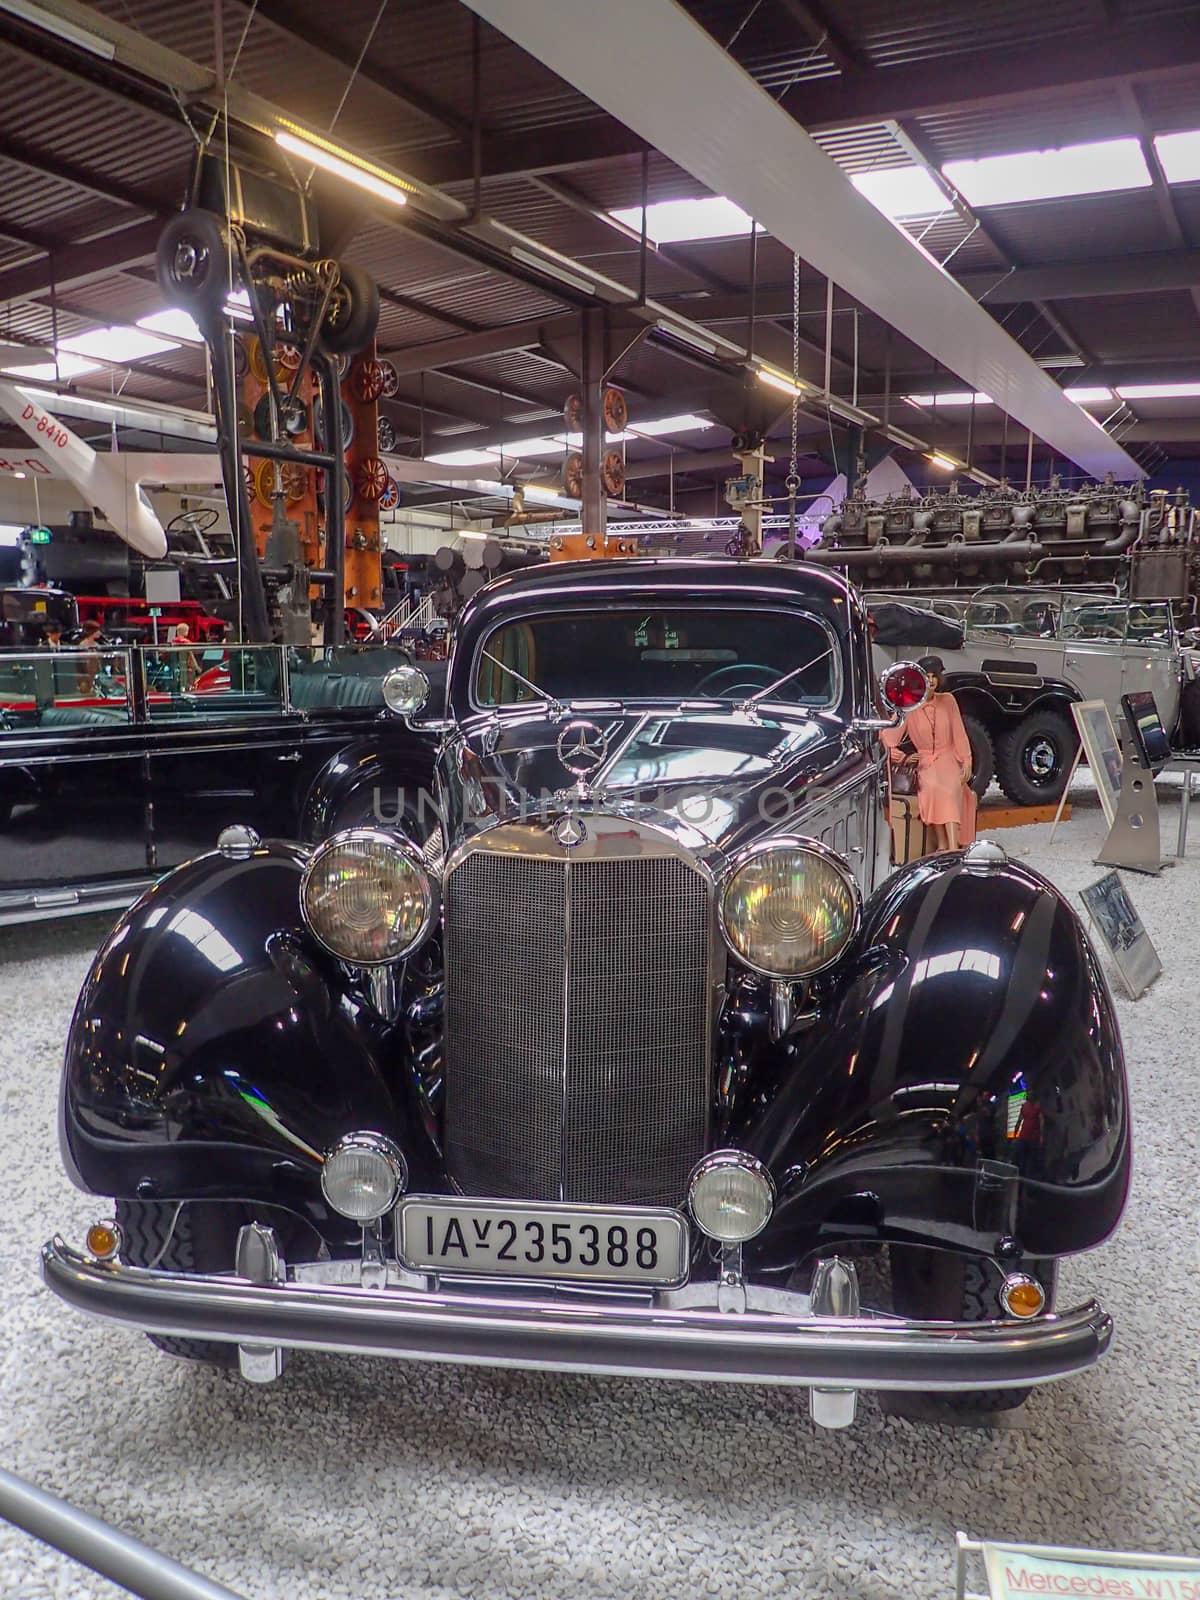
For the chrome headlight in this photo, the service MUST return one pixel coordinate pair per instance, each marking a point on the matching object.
(789, 908)
(731, 1196)
(363, 1176)
(367, 897)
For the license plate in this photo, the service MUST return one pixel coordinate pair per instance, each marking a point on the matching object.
(494, 1238)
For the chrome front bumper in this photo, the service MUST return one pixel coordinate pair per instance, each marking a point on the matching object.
(585, 1334)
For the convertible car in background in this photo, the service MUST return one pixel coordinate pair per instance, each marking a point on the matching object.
(603, 1038)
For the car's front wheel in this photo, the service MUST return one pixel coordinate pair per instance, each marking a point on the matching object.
(941, 1286)
(183, 1237)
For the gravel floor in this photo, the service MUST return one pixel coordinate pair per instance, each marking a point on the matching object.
(359, 1480)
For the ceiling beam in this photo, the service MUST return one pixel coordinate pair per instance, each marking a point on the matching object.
(1164, 198)
(1147, 272)
(49, 164)
(649, 64)
(74, 265)
(520, 155)
(282, 16)
(816, 23)
(1094, 59)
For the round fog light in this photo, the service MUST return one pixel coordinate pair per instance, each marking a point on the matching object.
(731, 1196)
(363, 1176)
(103, 1240)
(1022, 1296)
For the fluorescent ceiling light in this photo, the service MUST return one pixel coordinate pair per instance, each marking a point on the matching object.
(953, 397)
(343, 164)
(527, 448)
(678, 221)
(1084, 396)
(780, 380)
(554, 269)
(902, 191)
(117, 345)
(1180, 156)
(536, 491)
(574, 441)
(46, 372)
(689, 337)
(173, 324)
(464, 458)
(1158, 391)
(60, 27)
(687, 423)
(1050, 174)
(946, 463)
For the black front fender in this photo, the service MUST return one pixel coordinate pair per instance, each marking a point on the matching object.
(965, 1083)
(217, 1052)
(383, 781)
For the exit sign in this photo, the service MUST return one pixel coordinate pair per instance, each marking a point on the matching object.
(39, 535)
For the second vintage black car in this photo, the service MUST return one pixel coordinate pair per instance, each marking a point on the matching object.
(609, 1042)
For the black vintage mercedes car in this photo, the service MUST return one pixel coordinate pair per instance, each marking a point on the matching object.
(590, 1030)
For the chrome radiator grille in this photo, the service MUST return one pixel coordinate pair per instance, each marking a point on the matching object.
(578, 1024)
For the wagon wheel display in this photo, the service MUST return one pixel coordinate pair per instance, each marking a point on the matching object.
(391, 380)
(616, 411)
(573, 412)
(372, 480)
(390, 498)
(573, 475)
(292, 481)
(368, 381)
(613, 473)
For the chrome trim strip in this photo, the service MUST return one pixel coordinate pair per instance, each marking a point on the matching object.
(628, 1341)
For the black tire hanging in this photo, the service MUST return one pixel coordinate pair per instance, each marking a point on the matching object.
(353, 313)
(941, 1286)
(1034, 758)
(983, 755)
(181, 1238)
(192, 263)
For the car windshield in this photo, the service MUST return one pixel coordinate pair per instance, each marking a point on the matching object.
(714, 653)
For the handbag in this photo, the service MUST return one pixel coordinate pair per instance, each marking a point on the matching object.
(904, 774)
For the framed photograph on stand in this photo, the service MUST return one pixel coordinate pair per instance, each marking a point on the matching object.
(1119, 930)
(1098, 739)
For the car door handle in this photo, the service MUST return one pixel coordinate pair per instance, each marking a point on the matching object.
(292, 755)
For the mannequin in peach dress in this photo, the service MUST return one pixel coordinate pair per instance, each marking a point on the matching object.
(944, 797)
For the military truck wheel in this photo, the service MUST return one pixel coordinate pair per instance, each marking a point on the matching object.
(1034, 758)
(983, 756)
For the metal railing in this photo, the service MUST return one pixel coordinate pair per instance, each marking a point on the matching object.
(102, 1548)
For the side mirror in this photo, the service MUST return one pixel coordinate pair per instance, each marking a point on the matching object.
(903, 687)
(405, 691)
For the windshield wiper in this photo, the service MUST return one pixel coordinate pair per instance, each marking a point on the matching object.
(556, 706)
(762, 694)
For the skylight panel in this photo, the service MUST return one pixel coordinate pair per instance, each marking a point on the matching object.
(173, 323)
(117, 344)
(46, 372)
(901, 192)
(679, 221)
(1180, 156)
(1050, 174)
(1083, 396)
(687, 423)
(464, 458)
(1159, 391)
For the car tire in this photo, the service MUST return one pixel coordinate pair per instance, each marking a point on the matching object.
(941, 1286)
(1034, 758)
(350, 323)
(181, 1238)
(192, 263)
(983, 756)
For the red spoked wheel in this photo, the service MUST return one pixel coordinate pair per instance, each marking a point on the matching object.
(390, 498)
(368, 381)
(573, 475)
(613, 473)
(372, 480)
(616, 411)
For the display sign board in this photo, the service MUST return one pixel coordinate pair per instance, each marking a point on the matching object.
(1099, 740)
(1120, 931)
(1014, 1573)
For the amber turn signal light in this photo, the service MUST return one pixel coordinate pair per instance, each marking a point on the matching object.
(1022, 1296)
(103, 1240)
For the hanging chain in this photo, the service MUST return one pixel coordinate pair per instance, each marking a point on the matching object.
(795, 362)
